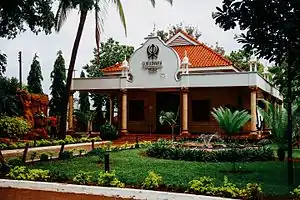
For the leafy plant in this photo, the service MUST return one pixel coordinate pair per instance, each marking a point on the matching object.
(13, 126)
(108, 132)
(3, 146)
(82, 178)
(296, 192)
(44, 157)
(109, 179)
(23, 173)
(66, 155)
(58, 175)
(69, 139)
(152, 181)
(15, 162)
(230, 121)
(169, 118)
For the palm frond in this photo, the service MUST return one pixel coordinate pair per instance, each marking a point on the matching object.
(61, 15)
(153, 3)
(121, 14)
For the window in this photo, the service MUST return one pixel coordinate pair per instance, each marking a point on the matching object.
(200, 110)
(136, 110)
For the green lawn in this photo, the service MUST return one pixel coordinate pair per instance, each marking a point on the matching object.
(131, 167)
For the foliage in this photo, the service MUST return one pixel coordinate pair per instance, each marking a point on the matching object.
(13, 126)
(96, 152)
(206, 186)
(43, 142)
(230, 121)
(69, 139)
(152, 181)
(35, 78)
(3, 146)
(192, 31)
(17, 16)
(66, 155)
(82, 178)
(9, 102)
(58, 175)
(23, 173)
(169, 118)
(33, 155)
(296, 192)
(58, 78)
(166, 151)
(109, 179)
(108, 132)
(44, 157)
(241, 58)
(3, 63)
(15, 162)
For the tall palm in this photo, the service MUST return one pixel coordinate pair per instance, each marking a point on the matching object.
(84, 6)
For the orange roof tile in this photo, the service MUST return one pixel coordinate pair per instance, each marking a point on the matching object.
(114, 68)
(202, 56)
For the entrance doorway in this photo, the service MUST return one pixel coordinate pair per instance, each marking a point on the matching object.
(168, 102)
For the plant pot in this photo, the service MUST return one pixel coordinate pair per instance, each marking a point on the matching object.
(281, 154)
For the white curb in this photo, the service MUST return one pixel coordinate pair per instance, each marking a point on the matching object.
(102, 191)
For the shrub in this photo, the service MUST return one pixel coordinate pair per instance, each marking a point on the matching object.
(265, 142)
(58, 175)
(108, 132)
(58, 142)
(23, 173)
(96, 152)
(43, 142)
(3, 146)
(69, 139)
(109, 179)
(15, 162)
(166, 151)
(205, 186)
(66, 155)
(82, 178)
(152, 181)
(44, 157)
(296, 192)
(13, 126)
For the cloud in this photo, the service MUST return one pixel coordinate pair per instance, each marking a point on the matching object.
(140, 20)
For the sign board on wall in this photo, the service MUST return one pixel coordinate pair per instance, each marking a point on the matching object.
(153, 64)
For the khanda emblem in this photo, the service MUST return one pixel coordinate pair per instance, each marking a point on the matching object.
(152, 51)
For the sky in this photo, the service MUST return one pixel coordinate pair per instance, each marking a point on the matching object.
(140, 17)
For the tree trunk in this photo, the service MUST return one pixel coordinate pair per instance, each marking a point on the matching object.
(63, 122)
(290, 123)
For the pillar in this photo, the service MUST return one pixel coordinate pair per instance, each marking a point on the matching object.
(70, 114)
(253, 109)
(124, 112)
(111, 109)
(184, 112)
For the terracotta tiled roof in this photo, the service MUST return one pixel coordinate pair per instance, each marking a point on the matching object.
(202, 56)
(114, 68)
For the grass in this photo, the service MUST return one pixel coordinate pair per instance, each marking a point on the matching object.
(132, 168)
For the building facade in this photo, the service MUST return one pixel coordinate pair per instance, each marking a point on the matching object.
(183, 76)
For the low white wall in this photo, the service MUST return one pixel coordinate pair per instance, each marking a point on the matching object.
(101, 191)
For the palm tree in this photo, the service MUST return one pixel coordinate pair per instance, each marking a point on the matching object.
(230, 121)
(84, 6)
(168, 118)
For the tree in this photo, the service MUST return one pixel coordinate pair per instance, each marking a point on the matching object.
(84, 101)
(9, 102)
(35, 77)
(173, 29)
(17, 16)
(3, 63)
(271, 28)
(58, 78)
(84, 6)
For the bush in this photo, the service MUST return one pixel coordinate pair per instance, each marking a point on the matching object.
(109, 179)
(13, 126)
(69, 140)
(82, 178)
(96, 152)
(43, 142)
(15, 162)
(265, 142)
(108, 132)
(166, 151)
(58, 175)
(3, 146)
(152, 181)
(23, 173)
(296, 192)
(44, 157)
(205, 186)
(66, 155)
